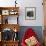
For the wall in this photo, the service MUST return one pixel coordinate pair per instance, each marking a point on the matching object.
(27, 3)
(7, 3)
(39, 13)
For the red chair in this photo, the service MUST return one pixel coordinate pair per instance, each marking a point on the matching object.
(29, 33)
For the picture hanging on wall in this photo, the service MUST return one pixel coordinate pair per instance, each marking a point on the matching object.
(30, 13)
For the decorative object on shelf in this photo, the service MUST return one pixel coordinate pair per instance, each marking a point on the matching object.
(15, 3)
(5, 12)
(42, 3)
(13, 12)
(30, 13)
(7, 34)
(6, 21)
(15, 29)
(15, 34)
(15, 37)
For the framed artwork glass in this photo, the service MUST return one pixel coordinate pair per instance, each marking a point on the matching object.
(30, 13)
(5, 12)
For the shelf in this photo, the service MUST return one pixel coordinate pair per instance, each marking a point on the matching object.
(6, 24)
(4, 8)
(9, 10)
(5, 12)
(10, 19)
(11, 41)
(10, 26)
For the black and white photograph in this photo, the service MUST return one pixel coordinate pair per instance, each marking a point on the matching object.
(30, 13)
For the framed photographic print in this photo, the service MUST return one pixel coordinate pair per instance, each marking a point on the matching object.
(5, 12)
(30, 13)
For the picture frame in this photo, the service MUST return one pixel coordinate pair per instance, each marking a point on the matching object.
(5, 12)
(30, 13)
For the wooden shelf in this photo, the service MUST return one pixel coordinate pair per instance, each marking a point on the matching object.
(4, 13)
(9, 8)
(11, 26)
(10, 43)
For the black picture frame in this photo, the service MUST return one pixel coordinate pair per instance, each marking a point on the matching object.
(30, 13)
